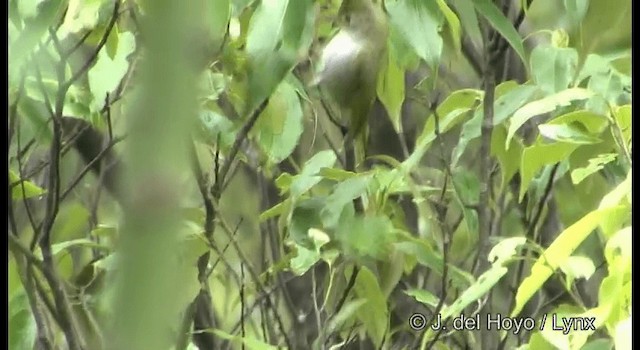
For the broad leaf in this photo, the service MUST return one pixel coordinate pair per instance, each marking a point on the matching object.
(308, 177)
(553, 68)
(375, 316)
(418, 23)
(558, 253)
(279, 33)
(542, 106)
(502, 24)
(279, 127)
(391, 90)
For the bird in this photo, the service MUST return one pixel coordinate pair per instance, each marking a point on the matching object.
(349, 66)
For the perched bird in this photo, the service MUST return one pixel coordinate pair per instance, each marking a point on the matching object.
(349, 67)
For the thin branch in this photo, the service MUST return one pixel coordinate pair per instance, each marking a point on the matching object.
(65, 315)
(240, 138)
(199, 304)
(485, 212)
(25, 201)
(242, 291)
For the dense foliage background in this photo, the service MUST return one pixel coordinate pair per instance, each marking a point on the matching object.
(175, 183)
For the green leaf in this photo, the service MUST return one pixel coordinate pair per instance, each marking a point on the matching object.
(537, 156)
(537, 341)
(345, 314)
(603, 79)
(71, 222)
(578, 267)
(214, 127)
(477, 290)
(218, 15)
(557, 254)
(502, 24)
(279, 127)
(576, 338)
(469, 19)
(618, 252)
(505, 105)
(418, 23)
(505, 249)
(589, 121)
(304, 260)
(553, 68)
(602, 343)
(82, 242)
(305, 215)
(111, 45)
(544, 105)
(509, 159)
(250, 342)
(467, 190)
(576, 10)
(569, 133)
(33, 88)
(392, 271)
(48, 11)
(375, 316)
(453, 24)
(318, 237)
(428, 257)
(424, 296)
(81, 15)
(595, 164)
(28, 9)
(308, 177)
(366, 236)
(105, 76)
(390, 90)
(344, 193)
(614, 296)
(622, 116)
(279, 33)
(30, 189)
(22, 325)
(277, 210)
(609, 86)
(336, 174)
(606, 26)
(451, 112)
(621, 195)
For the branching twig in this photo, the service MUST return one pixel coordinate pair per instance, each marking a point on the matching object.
(210, 198)
(221, 177)
(64, 314)
(485, 213)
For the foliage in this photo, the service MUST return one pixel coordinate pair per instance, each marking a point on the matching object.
(497, 182)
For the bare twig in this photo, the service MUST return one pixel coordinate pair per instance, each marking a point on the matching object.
(65, 315)
(242, 327)
(485, 212)
(221, 177)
